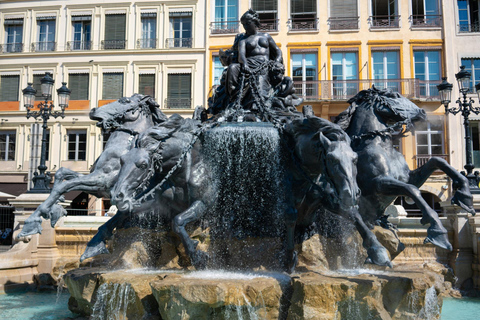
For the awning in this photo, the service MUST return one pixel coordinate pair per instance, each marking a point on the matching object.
(14, 189)
(72, 195)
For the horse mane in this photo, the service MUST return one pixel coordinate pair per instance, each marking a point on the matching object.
(331, 131)
(146, 101)
(343, 119)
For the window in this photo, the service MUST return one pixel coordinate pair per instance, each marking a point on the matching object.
(304, 72)
(13, 35)
(115, 31)
(303, 15)
(267, 12)
(344, 67)
(47, 144)
(472, 65)
(343, 15)
(146, 85)
(217, 70)
(429, 136)
(180, 30)
(386, 67)
(179, 91)
(46, 34)
(385, 14)
(468, 15)
(7, 145)
(9, 88)
(77, 145)
(78, 83)
(226, 16)
(427, 70)
(81, 33)
(112, 86)
(149, 31)
(426, 13)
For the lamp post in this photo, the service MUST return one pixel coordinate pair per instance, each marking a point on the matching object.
(465, 107)
(42, 179)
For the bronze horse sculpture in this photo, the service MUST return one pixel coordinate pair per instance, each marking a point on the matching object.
(383, 173)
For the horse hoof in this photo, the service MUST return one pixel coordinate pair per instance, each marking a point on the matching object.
(464, 201)
(56, 213)
(92, 251)
(378, 255)
(438, 238)
(200, 259)
(30, 228)
(291, 263)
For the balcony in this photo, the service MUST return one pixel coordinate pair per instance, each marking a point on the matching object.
(343, 23)
(79, 45)
(179, 42)
(146, 43)
(426, 21)
(346, 89)
(44, 46)
(469, 28)
(268, 25)
(113, 44)
(421, 159)
(178, 103)
(303, 24)
(384, 22)
(11, 47)
(224, 27)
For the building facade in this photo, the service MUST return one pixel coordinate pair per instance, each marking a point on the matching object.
(103, 51)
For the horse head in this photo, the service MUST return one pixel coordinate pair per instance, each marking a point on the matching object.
(324, 153)
(388, 107)
(142, 165)
(115, 114)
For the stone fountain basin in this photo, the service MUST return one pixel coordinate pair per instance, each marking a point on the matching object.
(401, 293)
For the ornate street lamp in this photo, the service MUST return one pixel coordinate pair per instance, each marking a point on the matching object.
(42, 179)
(465, 107)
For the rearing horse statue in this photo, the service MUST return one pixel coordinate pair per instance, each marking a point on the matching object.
(383, 173)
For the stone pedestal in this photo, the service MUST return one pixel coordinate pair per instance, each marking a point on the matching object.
(475, 229)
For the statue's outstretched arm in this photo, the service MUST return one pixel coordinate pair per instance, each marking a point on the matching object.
(274, 48)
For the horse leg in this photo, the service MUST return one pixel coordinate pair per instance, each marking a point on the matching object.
(97, 244)
(436, 233)
(462, 196)
(377, 254)
(193, 213)
(291, 255)
(66, 174)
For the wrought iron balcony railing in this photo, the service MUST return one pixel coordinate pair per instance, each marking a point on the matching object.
(426, 21)
(302, 24)
(268, 25)
(221, 27)
(113, 44)
(343, 23)
(79, 45)
(467, 28)
(11, 47)
(421, 159)
(146, 43)
(44, 46)
(346, 89)
(178, 103)
(179, 42)
(384, 22)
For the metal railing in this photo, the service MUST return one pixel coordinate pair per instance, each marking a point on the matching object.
(343, 23)
(85, 212)
(346, 89)
(178, 42)
(113, 44)
(384, 22)
(301, 24)
(221, 27)
(467, 28)
(421, 159)
(7, 219)
(79, 45)
(146, 43)
(426, 20)
(11, 47)
(44, 46)
(178, 103)
(268, 25)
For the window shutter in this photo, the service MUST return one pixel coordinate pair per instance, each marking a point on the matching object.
(343, 8)
(179, 86)
(112, 86)
(304, 6)
(146, 84)
(82, 18)
(115, 26)
(265, 5)
(9, 88)
(78, 83)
